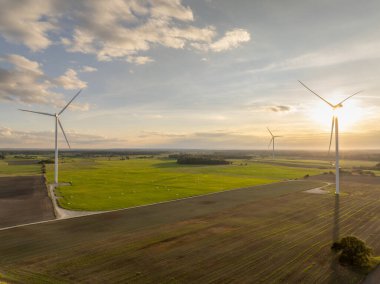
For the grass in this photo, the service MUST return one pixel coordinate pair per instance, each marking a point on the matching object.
(18, 170)
(101, 184)
(375, 261)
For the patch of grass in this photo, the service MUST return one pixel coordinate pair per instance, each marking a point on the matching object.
(374, 261)
(100, 184)
(18, 170)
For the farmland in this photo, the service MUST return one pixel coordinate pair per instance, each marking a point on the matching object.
(18, 168)
(24, 199)
(102, 184)
(264, 234)
(23, 194)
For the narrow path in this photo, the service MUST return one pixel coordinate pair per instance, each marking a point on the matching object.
(319, 190)
(65, 213)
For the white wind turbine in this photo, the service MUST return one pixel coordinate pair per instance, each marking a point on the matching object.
(57, 122)
(272, 141)
(333, 123)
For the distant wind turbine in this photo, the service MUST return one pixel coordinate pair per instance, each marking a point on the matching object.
(57, 122)
(272, 141)
(333, 123)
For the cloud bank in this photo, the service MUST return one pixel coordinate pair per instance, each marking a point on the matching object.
(23, 81)
(112, 29)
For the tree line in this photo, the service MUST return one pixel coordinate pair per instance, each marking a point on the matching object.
(200, 160)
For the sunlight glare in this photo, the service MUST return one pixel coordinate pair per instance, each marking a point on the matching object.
(348, 116)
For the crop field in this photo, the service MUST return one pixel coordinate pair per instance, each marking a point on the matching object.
(18, 168)
(24, 199)
(101, 184)
(265, 234)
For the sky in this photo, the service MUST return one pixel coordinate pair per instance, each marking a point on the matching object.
(199, 74)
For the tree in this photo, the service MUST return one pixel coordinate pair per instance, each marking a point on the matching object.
(353, 251)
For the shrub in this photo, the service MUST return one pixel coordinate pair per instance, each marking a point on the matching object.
(353, 252)
(43, 169)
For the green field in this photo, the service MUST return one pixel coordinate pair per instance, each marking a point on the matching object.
(101, 184)
(18, 170)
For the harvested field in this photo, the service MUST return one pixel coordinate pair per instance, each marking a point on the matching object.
(24, 199)
(265, 234)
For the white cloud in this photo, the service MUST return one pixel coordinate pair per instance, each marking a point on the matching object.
(116, 32)
(88, 69)
(231, 39)
(23, 22)
(70, 81)
(23, 64)
(139, 60)
(111, 29)
(24, 81)
(171, 9)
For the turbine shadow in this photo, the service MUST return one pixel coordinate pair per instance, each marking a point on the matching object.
(336, 277)
(335, 231)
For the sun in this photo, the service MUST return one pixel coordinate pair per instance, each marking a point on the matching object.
(349, 115)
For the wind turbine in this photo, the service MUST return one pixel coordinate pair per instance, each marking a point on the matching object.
(57, 122)
(333, 123)
(272, 140)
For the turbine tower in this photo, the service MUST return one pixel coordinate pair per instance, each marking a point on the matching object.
(57, 122)
(333, 123)
(272, 140)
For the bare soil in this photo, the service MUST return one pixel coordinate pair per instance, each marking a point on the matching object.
(24, 199)
(266, 234)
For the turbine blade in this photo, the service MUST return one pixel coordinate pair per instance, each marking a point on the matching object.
(270, 142)
(64, 134)
(316, 94)
(270, 132)
(77, 94)
(44, 113)
(349, 97)
(331, 135)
